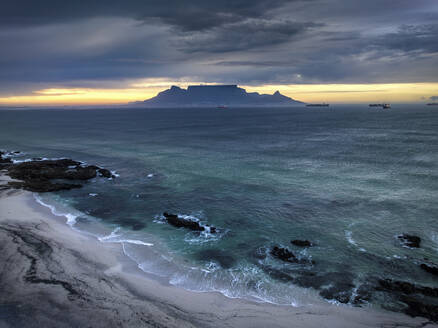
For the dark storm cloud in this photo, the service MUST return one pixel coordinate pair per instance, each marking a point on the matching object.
(252, 63)
(189, 15)
(412, 38)
(110, 43)
(245, 35)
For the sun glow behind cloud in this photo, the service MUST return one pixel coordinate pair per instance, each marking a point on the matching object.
(144, 89)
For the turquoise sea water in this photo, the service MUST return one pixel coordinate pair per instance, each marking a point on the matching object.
(349, 179)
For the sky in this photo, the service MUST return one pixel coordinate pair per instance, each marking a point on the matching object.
(109, 51)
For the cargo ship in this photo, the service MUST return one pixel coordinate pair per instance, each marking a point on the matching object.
(384, 106)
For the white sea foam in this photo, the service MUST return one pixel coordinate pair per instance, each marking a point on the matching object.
(399, 257)
(71, 218)
(136, 242)
(113, 237)
(11, 154)
(211, 277)
(232, 283)
(116, 237)
(203, 237)
(348, 235)
(39, 159)
(150, 175)
(160, 219)
(91, 194)
(237, 282)
(17, 161)
(434, 239)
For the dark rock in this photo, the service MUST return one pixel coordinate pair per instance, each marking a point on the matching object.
(344, 291)
(80, 173)
(105, 173)
(406, 288)
(431, 269)
(36, 175)
(284, 254)
(301, 243)
(362, 295)
(5, 160)
(52, 169)
(397, 286)
(414, 297)
(319, 281)
(225, 260)
(179, 222)
(42, 185)
(410, 240)
(336, 293)
(416, 308)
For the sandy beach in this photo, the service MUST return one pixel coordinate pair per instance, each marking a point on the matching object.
(53, 276)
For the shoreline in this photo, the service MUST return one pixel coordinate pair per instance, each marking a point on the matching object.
(57, 277)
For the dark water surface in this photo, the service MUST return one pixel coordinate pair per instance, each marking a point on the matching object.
(349, 179)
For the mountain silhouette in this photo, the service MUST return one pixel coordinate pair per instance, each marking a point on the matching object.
(216, 95)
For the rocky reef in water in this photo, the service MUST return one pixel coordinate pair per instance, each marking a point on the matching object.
(40, 175)
(181, 222)
(216, 95)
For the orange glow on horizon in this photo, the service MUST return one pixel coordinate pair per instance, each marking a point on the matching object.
(330, 93)
(355, 93)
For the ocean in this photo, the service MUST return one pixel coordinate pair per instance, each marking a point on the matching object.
(350, 179)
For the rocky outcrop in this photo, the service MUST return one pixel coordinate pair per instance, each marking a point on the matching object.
(301, 243)
(414, 297)
(416, 308)
(37, 175)
(283, 254)
(406, 288)
(410, 240)
(431, 269)
(180, 222)
(105, 173)
(4, 159)
(42, 185)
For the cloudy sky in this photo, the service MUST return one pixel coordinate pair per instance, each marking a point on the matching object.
(112, 51)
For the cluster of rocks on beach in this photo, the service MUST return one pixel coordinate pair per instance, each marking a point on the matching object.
(47, 175)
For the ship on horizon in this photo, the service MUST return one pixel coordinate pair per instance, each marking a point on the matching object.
(384, 106)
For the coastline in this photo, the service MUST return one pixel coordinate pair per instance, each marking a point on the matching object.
(53, 276)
